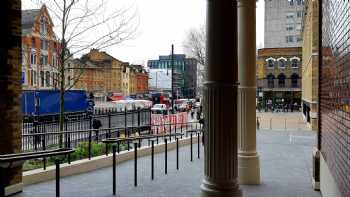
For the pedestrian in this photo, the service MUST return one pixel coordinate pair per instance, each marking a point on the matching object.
(192, 114)
(257, 123)
(201, 121)
(96, 124)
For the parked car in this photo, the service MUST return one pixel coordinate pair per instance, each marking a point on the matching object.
(159, 109)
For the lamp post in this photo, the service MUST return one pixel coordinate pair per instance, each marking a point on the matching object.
(172, 78)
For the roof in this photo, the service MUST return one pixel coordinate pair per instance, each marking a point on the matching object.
(28, 19)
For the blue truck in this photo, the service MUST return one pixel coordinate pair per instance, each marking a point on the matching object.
(47, 102)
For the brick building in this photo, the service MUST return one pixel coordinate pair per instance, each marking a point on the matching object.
(278, 76)
(332, 166)
(310, 64)
(140, 82)
(102, 66)
(40, 57)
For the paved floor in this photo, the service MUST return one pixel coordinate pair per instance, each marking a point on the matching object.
(285, 171)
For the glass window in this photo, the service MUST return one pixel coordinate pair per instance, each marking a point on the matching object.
(34, 77)
(290, 28)
(281, 80)
(289, 39)
(291, 2)
(282, 63)
(290, 15)
(33, 58)
(33, 42)
(270, 80)
(299, 14)
(270, 64)
(295, 63)
(42, 78)
(47, 80)
(44, 45)
(44, 60)
(43, 25)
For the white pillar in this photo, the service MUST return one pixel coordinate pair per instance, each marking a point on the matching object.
(220, 101)
(248, 158)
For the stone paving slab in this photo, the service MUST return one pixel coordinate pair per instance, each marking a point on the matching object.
(285, 170)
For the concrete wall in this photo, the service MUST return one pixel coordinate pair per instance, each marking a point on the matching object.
(328, 186)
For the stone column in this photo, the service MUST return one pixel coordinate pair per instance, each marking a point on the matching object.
(248, 159)
(220, 101)
(10, 89)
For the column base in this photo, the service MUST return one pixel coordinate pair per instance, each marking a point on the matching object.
(13, 189)
(316, 169)
(217, 189)
(248, 169)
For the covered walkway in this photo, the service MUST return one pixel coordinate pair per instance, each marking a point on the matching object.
(285, 162)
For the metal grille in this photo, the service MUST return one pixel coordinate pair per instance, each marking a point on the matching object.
(335, 91)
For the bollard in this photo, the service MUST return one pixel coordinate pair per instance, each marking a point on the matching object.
(270, 123)
(135, 164)
(181, 130)
(198, 135)
(191, 147)
(57, 162)
(140, 142)
(118, 146)
(177, 153)
(166, 156)
(157, 136)
(114, 171)
(152, 160)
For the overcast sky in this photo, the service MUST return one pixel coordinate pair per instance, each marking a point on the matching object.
(162, 23)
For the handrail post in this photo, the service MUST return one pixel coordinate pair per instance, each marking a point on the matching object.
(177, 153)
(152, 160)
(135, 164)
(114, 170)
(166, 156)
(191, 147)
(57, 162)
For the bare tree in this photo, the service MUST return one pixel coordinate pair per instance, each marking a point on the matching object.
(82, 25)
(194, 46)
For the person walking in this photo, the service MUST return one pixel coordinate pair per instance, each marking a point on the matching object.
(257, 123)
(96, 124)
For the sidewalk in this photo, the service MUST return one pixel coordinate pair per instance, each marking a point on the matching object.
(285, 159)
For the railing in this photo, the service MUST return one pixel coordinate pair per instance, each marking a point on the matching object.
(276, 83)
(135, 137)
(13, 160)
(39, 135)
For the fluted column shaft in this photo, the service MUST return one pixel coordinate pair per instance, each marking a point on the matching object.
(220, 101)
(248, 159)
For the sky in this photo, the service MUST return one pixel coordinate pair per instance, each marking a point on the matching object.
(162, 23)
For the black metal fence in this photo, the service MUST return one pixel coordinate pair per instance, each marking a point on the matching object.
(45, 133)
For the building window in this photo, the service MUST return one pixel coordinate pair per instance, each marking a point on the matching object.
(47, 80)
(289, 39)
(299, 39)
(282, 63)
(270, 64)
(291, 2)
(270, 80)
(281, 80)
(23, 77)
(295, 79)
(42, 78)
(33, 58)
(299, 2)
(44, 60)
(43, 25)
(290, 28)
(294, 63)
(299, 14)
(33, 42)
(34, 75)
(44, 45)
(290, 15)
